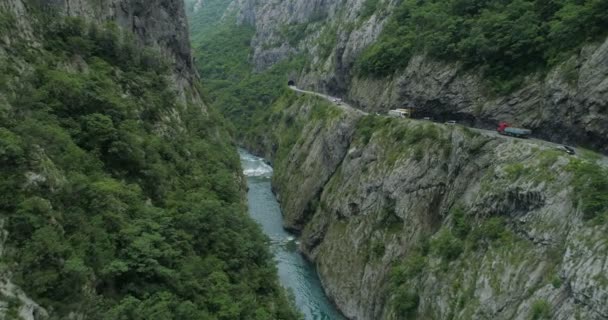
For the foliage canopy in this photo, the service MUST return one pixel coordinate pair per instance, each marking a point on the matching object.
(507, 39)
(122, 199)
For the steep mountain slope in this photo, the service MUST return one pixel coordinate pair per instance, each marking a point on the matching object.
(120, 189)
(540, 65)
(410, 219)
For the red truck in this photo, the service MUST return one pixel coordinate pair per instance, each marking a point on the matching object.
(505, 129)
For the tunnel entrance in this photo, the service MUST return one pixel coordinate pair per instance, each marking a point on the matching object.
(291, 83)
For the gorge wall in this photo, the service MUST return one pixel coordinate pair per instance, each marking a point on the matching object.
(411, 219)
(566, 104)
(159, 25)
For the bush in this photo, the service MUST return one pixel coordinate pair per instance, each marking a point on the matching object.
(409, 269)
(541, 309)
(489, 230)
(492, 228)
(446, 245)
(7, 22)
(461, 226)
(366, 127)
(11, 148)
(294, 33)
(378, 249)
(591, 188)
(368, 8)
(405, 303)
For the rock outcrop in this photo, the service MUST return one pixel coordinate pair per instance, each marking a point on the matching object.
(160, 24)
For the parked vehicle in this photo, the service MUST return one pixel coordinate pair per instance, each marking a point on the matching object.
(451, 122)
(505, 129)
(426, 118)
(398, 113)
(566, 149)
(395, 114)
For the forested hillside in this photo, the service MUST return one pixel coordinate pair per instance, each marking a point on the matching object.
(506, 39)
(120, 191)
(538, 64)
(222, 51)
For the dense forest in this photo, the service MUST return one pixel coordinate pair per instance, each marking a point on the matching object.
(229, 79)
(222, 50)
(121, 198)
(507, 39)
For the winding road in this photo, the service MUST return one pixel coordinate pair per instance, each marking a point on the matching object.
(342, 104)
(603, 160)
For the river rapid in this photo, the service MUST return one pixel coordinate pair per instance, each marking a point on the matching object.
(295, 273)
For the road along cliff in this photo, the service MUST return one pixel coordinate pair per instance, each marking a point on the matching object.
(564, 101)
(412, 219)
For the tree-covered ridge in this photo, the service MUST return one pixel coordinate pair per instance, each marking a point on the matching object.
(121, 200)
(233, 88)
(205, 15)
(507, 39)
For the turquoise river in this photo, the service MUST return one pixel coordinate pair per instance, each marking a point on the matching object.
(295, 273)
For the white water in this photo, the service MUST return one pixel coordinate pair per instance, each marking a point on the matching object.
(295, 272)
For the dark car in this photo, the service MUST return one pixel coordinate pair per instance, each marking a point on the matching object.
(566, 149)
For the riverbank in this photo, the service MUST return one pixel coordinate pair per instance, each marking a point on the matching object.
(296, 273)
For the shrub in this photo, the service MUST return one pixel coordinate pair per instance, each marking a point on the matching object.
(409, 269)
(489, 230)
(294, 33)
(368, 8)
(11, 148)
(446, 245)
(541, 309)
(378, 249)
(7, 22)
(405, 303)
(461, 225)
(556, 281)
(591, 188)
(366, 127)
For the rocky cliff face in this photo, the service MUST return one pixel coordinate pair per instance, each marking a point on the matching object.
(158, 24)
(410, 218)
(566, 105)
